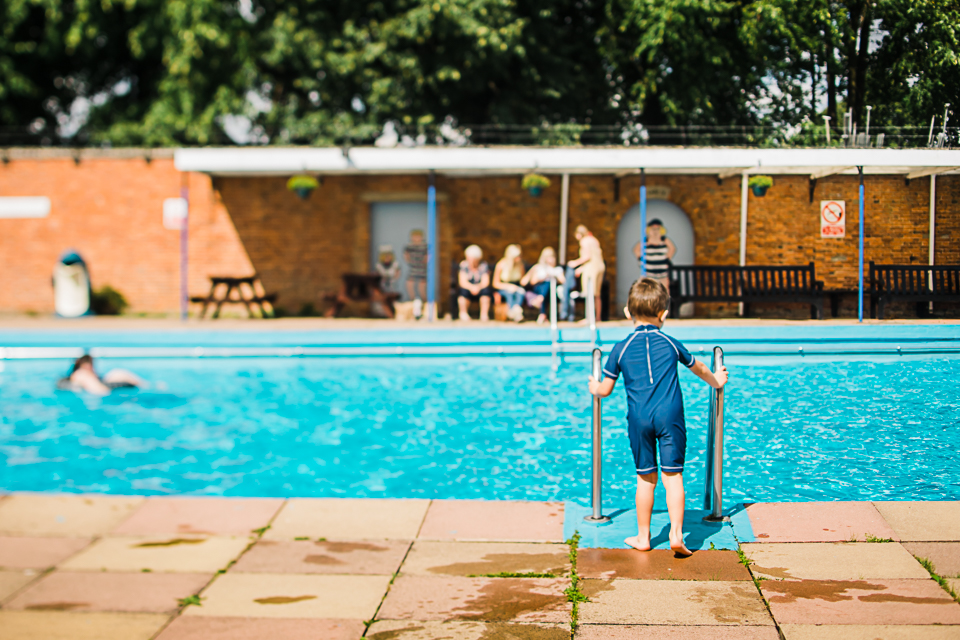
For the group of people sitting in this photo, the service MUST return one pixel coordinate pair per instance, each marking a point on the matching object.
(514, 285)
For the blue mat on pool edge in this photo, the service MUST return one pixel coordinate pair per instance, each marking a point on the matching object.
(697, 533)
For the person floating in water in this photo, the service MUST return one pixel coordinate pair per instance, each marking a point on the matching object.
(648, 361)
(83, 377)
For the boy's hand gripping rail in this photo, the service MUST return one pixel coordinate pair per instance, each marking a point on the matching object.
(713, 490)
(595, 496)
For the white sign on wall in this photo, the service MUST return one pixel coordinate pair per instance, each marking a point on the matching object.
(24, 207)
(174, 213)
(833, 219)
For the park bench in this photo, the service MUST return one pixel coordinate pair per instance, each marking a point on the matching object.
(912, 283)
(753, 284)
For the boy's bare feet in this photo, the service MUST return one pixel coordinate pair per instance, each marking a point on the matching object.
(637, 543)
(676, 544)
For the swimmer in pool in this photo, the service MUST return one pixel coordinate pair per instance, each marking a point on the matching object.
(84, 378)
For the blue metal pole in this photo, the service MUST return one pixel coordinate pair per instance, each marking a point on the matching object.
(643, 222)
(431, 247)
(860, 307)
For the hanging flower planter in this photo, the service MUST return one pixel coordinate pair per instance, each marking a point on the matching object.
(534, 183)
(759, 185)
(303, 186)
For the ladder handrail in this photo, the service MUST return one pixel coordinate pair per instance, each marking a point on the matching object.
(596, 498)
(713, 487)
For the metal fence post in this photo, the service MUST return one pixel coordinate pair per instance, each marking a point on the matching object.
(713, 489)
(597, 479)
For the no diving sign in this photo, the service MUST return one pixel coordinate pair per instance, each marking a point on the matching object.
(833, 219)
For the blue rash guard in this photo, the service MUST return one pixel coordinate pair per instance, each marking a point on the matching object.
(648, 359)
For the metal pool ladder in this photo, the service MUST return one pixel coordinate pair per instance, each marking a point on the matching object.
(595, 516)
(713, 488)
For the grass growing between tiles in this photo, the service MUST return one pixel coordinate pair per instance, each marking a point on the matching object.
(573, 592)
(940, 580)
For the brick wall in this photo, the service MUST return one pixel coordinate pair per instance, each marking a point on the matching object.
(108, 206)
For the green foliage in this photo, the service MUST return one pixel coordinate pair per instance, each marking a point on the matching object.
(302, 182)
(107, 301)
(760, 182)
(534, 181)
(189, 600)
(872, 538)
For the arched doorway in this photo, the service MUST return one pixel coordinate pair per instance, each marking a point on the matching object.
(679, 229)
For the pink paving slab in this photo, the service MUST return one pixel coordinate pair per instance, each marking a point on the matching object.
(480, 599)
(660, 632)
(816, 521)
(197, 628)
(216, 516)
(897, 602)
(496, 520)
(380, 557)
(18, 552)
(102, 591)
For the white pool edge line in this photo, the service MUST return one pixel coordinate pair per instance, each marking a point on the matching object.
(60, 353)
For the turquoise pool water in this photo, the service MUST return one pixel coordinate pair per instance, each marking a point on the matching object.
(495, 428)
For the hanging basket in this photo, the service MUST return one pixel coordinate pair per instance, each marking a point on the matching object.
(302, 185)
(534, 184)
(759, 185)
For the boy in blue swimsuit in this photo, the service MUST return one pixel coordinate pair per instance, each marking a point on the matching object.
(648, 361)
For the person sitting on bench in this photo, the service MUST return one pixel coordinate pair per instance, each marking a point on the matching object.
(474, 281)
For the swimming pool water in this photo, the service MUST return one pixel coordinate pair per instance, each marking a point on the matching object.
(492, 428)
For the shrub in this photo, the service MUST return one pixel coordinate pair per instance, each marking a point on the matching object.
(107, 301)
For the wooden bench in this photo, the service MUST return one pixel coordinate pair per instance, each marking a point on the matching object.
(912, 283)
(250, 295)
(752, 284)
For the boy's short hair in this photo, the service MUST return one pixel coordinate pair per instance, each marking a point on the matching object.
(416, 232)
(648, 297)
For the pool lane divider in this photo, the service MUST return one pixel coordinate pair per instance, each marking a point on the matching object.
(698, 534)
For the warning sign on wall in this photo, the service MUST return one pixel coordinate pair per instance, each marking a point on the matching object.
(833, 219)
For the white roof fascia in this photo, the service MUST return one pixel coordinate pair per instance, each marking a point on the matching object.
(517, 160)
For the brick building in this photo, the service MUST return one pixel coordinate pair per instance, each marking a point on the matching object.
(108, 205)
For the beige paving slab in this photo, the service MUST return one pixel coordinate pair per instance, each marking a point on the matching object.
(108, 591)
(348, 519)
(59, 625)
(868, 632)
(186, 553)
(262, 595)
(477, 599)
(358, 557)
(26, 552)
(14, 580)
(659, 632)
(211, 516)
(494, 520)
(212, 628)
(923, 521)
(897, 602)
(434, 630)
(672, 602)
(817, 521)
(945, 556)
(833, 561)
(39, 514)
(442, 558)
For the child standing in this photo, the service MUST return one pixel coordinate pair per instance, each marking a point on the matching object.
(648, 360)
(415, 255)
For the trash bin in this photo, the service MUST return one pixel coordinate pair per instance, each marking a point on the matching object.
(71, 286)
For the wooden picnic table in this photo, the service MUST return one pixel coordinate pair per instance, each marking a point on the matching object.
(249, 291)
(361, 287)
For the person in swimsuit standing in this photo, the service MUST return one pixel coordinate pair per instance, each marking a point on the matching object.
(589, 266)
(415, 255)
(660, 250)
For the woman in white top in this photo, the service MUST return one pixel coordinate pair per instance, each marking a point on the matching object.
(589, 266)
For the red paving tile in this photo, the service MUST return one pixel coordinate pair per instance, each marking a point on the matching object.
(660, 632)
(17, 552)
(945, 556)
(101, 591)
(659, 565)
(212, 516)
(894, 602)
(379, 557)
(480, 599)
(816, 521)
(260, 628)
(500, 520)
